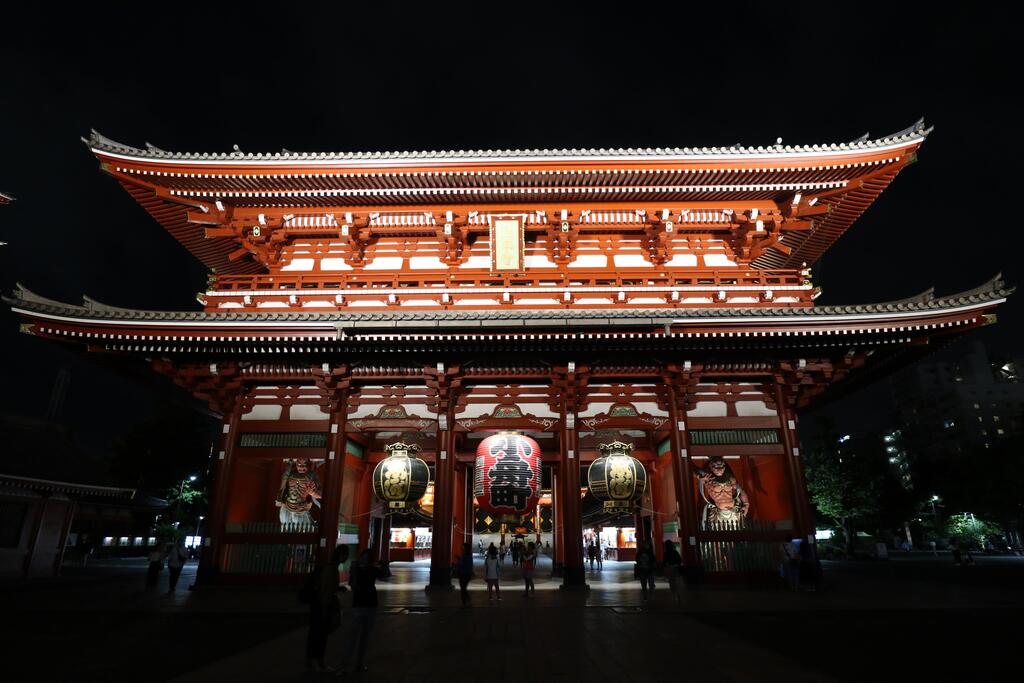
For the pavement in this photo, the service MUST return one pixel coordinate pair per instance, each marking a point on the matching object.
(100, 621)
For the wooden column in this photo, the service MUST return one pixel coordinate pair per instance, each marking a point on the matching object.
(682, 476)
(557, 552)
(573, 573)
(444, 498)
(69, 516)
(337, 445)
(33, 540)
(223, 469)
(802, 526)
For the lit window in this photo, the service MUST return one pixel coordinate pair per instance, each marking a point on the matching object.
(123, 540)
(138, 540)
(949, 423)
(108, 540)
(995, 418)
(977, 406)
(1000, 431)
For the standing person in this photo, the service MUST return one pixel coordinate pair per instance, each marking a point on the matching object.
(957, 555)
(464, 570)
(363, 580)
(600, 555)
(492, 573)
(514, 551)
(529, 565)
(931, 544)
(673, 569)
(791, 560)
(808, 567)
(645, 568)
(501, 552)
(319, 591)
(156, 565)
(177, 556)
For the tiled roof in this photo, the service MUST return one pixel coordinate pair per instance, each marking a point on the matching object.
(993, 290)
(916, 132)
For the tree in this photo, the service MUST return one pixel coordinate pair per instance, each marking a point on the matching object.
(845, 480)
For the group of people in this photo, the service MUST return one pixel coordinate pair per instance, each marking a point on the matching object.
(174, 555)
(523, 556)
(320, 592)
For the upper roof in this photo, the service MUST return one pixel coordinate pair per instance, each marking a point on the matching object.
(914, 134)
(846, 178)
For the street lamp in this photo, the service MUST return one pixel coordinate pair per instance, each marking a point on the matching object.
(181, 492)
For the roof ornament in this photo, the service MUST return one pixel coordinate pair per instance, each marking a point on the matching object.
(236, 149)
(862, 138)
(153, 148)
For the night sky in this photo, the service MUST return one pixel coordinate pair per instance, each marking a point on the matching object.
(334, 80)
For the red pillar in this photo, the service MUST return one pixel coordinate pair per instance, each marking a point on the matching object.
(803, 520)
(682, 476)
(444, 498)
(573, 575)
(213, 547)
(336, 448)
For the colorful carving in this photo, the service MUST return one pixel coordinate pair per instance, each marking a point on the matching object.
(725, 502)
(300, 489)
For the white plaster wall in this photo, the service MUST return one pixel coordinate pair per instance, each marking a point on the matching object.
(709, 409)
(385, 263)
(334, 264)
(753, 409)
(307, 412)
(300, 264)
(717, 260)
(682, 261)
(266, 411)
(590, 261)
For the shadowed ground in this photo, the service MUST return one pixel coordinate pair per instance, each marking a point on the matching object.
(912, 616)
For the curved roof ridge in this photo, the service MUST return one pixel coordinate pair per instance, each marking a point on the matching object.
(99, 142)
(993, 289)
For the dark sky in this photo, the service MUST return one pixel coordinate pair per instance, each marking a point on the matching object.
(334, 80)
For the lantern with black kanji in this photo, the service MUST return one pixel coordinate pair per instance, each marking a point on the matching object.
(506, 479)
(617, 478)
(399, 479)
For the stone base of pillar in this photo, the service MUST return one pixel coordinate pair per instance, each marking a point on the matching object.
(557, 569)
(440, 580)
(574, 578)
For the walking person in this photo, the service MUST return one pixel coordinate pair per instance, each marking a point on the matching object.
(529, 566)
(363, 580)
(645, 568)
(514, 551)
(501, 553)
(156, 565)
(592, 555)
(464, 569)
(600, 556)
(319, 591)
(177, 556)
(791, 562)
(492, 573)
(674, 570)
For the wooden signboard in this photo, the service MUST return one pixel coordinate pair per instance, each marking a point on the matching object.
(507, 244)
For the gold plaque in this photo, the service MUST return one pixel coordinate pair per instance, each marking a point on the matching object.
(507, 244)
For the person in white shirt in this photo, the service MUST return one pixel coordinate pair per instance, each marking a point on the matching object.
(177, 556)
(492, 573)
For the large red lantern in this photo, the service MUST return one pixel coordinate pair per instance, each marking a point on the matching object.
(506, 480)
